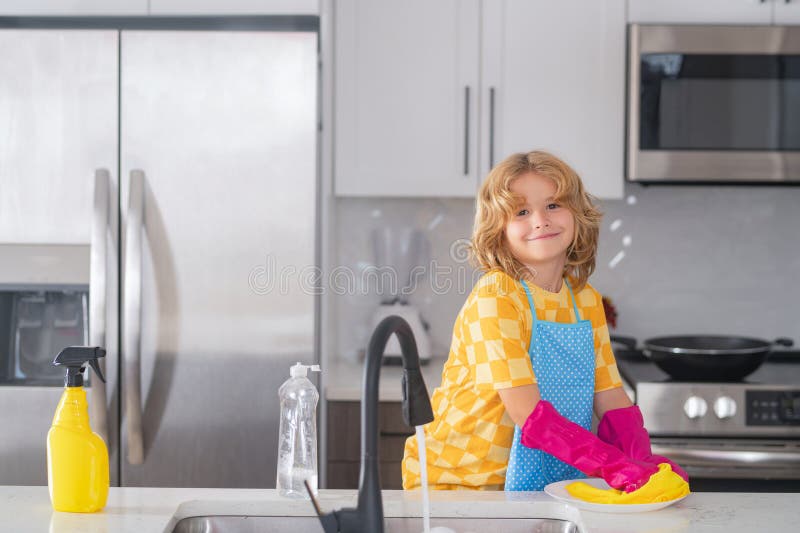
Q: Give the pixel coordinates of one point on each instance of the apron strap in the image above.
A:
(533, 307)
(530, 300)
(574, 303)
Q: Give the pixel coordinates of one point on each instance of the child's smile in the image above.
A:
(541, 230)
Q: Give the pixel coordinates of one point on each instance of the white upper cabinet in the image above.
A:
(23, 8)
(428, 94)
(406, 97)
(701, 11)
(556, 74)
(234, 7)
(786, 12)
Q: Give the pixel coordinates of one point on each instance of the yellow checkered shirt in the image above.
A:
(469, 440)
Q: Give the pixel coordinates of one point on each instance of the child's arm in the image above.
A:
(610, 399)
(520, 402)
(547, 430)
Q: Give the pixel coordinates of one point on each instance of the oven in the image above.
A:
(713, 104)
(729, 436)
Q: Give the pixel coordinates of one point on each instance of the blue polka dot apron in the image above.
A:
(563, 361)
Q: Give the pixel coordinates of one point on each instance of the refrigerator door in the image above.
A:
(218, 158)
(58, 166)
(58, 114)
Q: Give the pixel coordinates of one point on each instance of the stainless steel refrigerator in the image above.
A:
(184, 164)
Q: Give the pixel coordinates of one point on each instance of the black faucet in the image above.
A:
(368, 516)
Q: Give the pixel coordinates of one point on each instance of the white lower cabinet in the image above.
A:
(427, 95)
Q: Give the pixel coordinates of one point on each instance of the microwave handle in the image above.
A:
(132, 318)
(98, 282)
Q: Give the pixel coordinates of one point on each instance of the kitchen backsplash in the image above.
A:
(674, 260)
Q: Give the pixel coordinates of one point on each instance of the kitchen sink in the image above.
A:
(301, 524)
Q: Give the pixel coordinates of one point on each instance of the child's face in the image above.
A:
(540, 231)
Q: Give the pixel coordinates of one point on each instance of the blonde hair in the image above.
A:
(496, 204)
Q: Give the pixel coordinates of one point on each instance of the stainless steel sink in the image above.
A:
(300, 524)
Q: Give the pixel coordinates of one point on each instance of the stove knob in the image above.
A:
(695, 407)
(724, 407)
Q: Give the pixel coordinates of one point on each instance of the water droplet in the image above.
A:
(616, 259)
(615, 225)
(631, 200)
(376, 213)
(626, 240)
(436, 221)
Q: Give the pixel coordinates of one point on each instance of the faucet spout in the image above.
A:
(368, 516)
(416, 411)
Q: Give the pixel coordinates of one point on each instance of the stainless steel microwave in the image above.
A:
(714, 104)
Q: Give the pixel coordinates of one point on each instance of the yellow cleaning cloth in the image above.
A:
(663, 486)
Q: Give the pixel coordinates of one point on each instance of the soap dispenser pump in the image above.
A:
(77, 458)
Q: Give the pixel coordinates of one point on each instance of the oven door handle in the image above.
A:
(728, 457)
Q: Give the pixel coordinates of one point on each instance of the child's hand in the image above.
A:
(658, 459)
(624, 429)
(663, 486)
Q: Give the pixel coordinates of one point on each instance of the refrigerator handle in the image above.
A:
(132, 318)
(97, 295)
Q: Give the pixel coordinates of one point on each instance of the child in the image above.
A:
(531, 355)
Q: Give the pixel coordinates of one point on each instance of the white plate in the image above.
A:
(559, 492)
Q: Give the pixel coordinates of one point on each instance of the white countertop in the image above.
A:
(343, 380)
(141, 510)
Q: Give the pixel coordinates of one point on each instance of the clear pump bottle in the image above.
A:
(297, 446)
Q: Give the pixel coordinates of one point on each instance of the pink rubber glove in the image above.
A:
(550, 432)
(624, 429)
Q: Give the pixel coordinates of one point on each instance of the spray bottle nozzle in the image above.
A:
(74, 358)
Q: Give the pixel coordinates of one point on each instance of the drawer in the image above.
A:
(344, 431)
(390, 419)
(345, 474)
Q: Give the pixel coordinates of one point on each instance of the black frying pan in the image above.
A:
(709, 357)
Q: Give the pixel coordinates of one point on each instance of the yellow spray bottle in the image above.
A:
(77, 458)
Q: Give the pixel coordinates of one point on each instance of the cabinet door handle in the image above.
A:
(98, 282)
(491, 127)
(466, 130)
(132, 331)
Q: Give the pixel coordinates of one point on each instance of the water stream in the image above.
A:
(426, 502)
(423, 470)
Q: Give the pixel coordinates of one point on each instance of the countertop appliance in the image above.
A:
(714, 104)
(182, 156)
(732, 436)
(400, 258)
